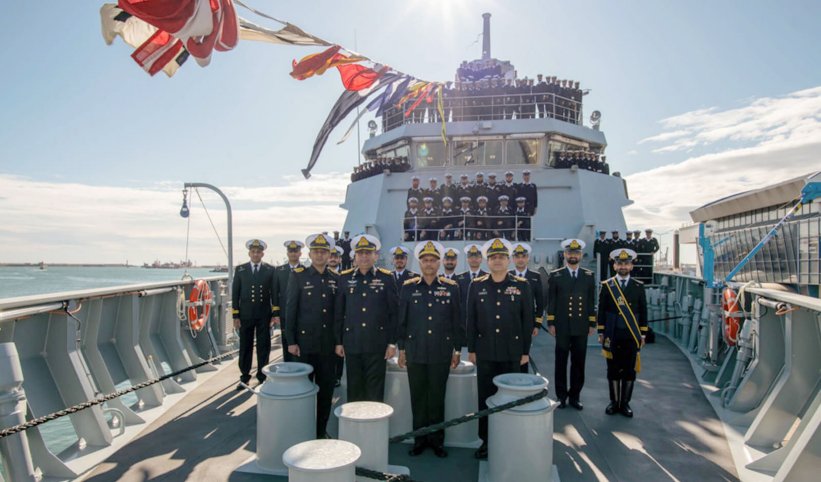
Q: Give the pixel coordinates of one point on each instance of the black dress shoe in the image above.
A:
(576, 404)
(562, 403)
(612, 409)
(481, 452)
(626, 410)
(416, 450)
(240, 387)
(440, 451)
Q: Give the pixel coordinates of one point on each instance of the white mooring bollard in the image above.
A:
(460, 399)
(520, 433)
(286, 415)
(397, 395)
(366, 425)
(14, 449)
(322, 461)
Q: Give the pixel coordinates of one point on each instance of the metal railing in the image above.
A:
(465, 227)
(515, 105)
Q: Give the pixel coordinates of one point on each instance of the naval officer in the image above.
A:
(499, 325)
(254, 311)
(309, 322)
(473, 252)
(449, 263)
(365, 321)
(622, 325)
(429, 338)
(400, 263)
(521, 259)
(571, 318)
(282, 273)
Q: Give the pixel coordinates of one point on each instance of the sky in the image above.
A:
(699, 100)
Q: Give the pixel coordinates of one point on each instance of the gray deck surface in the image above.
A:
(675, 434)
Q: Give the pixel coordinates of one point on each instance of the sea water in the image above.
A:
(31, 280)
(15, 281)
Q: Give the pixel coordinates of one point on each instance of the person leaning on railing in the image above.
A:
(429, 220)
(447, 220)
(411, 220)
(522, 219)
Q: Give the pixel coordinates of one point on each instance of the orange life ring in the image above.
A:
(199, 305)
(732, 314)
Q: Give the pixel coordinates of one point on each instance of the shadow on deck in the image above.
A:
(675, 434)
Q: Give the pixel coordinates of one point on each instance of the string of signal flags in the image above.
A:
(165, 33)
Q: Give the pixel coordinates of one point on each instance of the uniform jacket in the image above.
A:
(571, 304)
(535, 280)
(365, 311)
(309, 312)
(463, 280)
(499, 318)
(406, 275)
(431, 326)
(252, 295)
(608, 314)
(282, 274)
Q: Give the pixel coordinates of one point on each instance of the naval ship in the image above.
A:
(729, 390)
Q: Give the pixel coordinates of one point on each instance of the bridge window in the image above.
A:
(522, 151)
(478, 152)
(430, 153)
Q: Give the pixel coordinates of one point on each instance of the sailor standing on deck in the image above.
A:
(473, 252)
(282, 274)
(449, 264)
(365, 321)
(254, 310)
(400, 262)
(622, 324)
(310, 322)
(499, 325)
(429, 338)
(521, 259)
(571, 318)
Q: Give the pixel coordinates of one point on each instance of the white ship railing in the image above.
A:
(765, 387)
(76, 346)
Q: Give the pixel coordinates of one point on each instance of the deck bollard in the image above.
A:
(460, 399)
(397, 395)
(286, 415)
(322, 461)
(14, 448)
(523, 433)
(366, 425)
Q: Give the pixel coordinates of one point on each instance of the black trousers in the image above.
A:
(247, 330)
(324, 377)
(485, 371)
(623, 364)
(427, 388)
(285, 355)
(576, 348)
(366, 377)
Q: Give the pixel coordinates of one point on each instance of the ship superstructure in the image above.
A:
(485, 125)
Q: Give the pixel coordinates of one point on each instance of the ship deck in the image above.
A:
(675, 434)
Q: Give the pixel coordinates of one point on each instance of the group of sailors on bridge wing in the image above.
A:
(366, 315)
(494, 98)
(475, 210)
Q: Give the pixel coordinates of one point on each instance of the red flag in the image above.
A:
(317, 64)
(356, 77)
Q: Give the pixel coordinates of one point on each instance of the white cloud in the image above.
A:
(774, 139)
(71, 222)
(791, 119)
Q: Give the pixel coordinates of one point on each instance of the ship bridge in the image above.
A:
(489, 121)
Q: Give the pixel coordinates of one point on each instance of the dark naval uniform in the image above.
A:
(399, 279)
(253, 300)
(431, 328)
(571, 309)
(282, 275)
(535, 280)
(499, 328)
(601, 252)
(622, 321)
(365, 323)
(464, 280)
(310, 324)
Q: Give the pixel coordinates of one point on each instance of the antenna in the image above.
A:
(486, 37)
